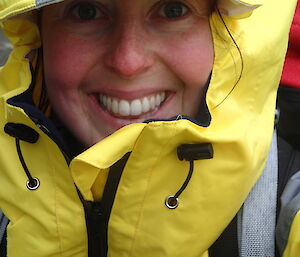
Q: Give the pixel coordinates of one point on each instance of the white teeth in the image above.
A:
(157, 99)
(152, 102)
(136, 107)
(124, 108)
(145, 104)
(104, 100)
(114, 106)
(108, 104)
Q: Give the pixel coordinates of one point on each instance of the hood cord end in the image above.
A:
(27, 134)
(32, 182)
(189, 152)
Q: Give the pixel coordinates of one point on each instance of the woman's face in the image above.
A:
(109, 63)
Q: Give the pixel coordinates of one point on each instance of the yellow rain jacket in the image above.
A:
(51, 220)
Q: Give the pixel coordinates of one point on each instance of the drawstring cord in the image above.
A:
(32, 183)
(172, 201)
(187, 180)
(27, 134)
(189, 152)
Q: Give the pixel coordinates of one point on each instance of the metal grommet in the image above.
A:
(33, 184)
(171, 202)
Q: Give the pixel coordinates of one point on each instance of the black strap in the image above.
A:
(288, 131)
(3, 241)
(288, 127)
(288, 165)
(97, 213)
(3, 246)
(227, 243)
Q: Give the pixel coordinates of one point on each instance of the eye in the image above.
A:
(86, 11)
(173, 10)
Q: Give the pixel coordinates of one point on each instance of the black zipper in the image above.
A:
(97, 213)
(96, 228)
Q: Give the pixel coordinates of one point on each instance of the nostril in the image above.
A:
(129, 67)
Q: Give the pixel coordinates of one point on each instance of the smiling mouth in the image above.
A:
(131, 109)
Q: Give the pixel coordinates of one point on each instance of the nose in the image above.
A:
(128, 56)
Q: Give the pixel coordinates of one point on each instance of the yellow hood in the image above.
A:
(241, 100)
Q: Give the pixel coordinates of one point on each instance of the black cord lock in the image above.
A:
(191, 152)
(21, 132)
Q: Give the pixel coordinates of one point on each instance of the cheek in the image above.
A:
(191, 56)
(66, 60)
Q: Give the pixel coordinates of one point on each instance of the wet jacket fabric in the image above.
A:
(110, 200)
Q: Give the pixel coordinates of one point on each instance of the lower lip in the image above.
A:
(118, 122)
